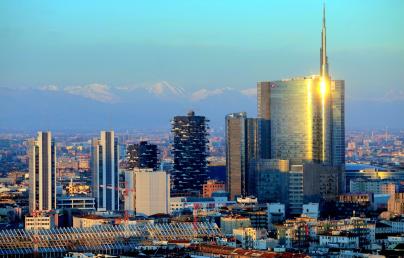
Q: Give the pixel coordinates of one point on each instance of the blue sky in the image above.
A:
(202, 44)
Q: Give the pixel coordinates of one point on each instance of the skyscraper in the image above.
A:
(306, 114)
(105, 174)
(190, 152)
(142, 155)
(42, 173)
(243, 143)
(307, 129)
(263, 93)
(236, 154)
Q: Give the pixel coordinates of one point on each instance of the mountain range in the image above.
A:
(98, 106)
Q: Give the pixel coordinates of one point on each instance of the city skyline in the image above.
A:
(201, 129)
(120, 68)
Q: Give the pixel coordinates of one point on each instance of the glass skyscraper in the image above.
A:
(306, 115)
(307, 128)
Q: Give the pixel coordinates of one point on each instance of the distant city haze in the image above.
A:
(90, 65)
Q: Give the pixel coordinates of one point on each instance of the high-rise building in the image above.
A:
(338, 123)
(105, 171)
(142, 155)
(236, 154)
(42, 173)
(307, 115)
(263, 97)
(264, 115)
(148, 191)
(243, 144)
(190, 151)
(307, 128)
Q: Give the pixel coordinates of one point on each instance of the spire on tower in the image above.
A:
(323, 49)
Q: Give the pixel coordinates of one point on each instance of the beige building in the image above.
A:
(147, 192)
(396, 203)
(39, 222)
(90, 221)
(229, 223)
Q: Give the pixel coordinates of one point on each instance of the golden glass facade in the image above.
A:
(307, 120)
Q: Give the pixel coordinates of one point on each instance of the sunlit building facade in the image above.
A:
(42, 173)
(307, 115)
(105, 171)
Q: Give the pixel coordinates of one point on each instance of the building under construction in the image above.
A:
(106, 239)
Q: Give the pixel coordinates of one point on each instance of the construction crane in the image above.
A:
(35, 236)
(125, 193)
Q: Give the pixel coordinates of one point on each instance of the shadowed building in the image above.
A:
(190, 151)
(142, 155)
(243, 143)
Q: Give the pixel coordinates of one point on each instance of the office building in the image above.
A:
(236, 158)
(190, 152)
(244, 142)
(320, 182)
(42, 173)
(147, 192)
(306, 116)
(142, 155)
(306, 120)
(367, 172)
(271, 179)
(105, 171)
(295, 190)
(264, 115)
(263, 98)
(376, 186)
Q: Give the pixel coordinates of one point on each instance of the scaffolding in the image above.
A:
(100, 238)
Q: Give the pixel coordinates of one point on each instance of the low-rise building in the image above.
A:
(340, 240)
(91, 220)
(180, 204)
(212, 186)
(396, 203)
(311, 210)
(247, 236)
(228, 223)
(86, 203)
(39, 222)
(275, 212)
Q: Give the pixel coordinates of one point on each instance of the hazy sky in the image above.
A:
(202, 44)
